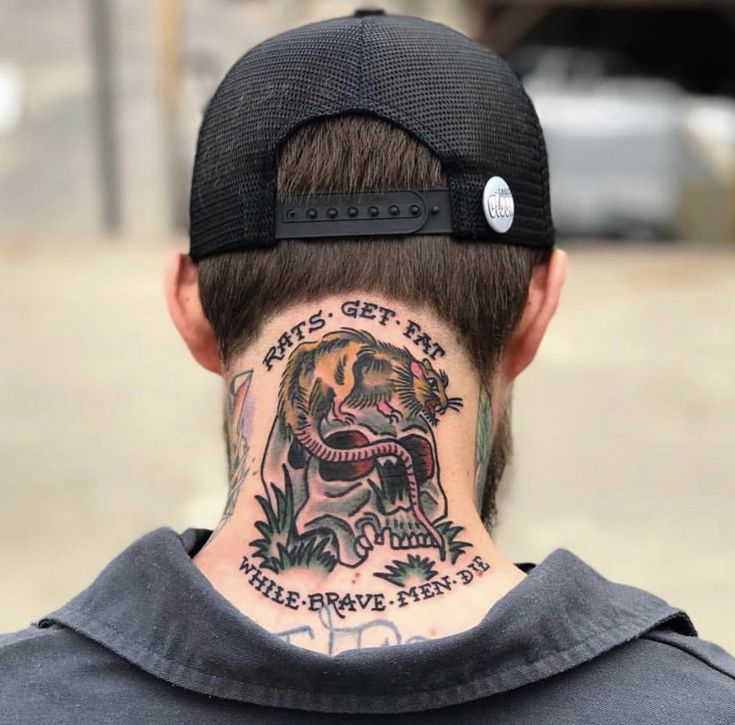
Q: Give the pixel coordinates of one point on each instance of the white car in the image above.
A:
(616, 144)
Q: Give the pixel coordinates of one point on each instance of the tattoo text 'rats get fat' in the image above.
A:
(352, 309)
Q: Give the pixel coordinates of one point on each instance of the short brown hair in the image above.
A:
(478, 290)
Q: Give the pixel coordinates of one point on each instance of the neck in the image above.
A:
(359, 436)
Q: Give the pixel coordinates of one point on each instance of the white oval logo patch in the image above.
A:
(497, 203)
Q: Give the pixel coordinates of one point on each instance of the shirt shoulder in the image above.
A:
(25, 651)
(658, 678)
(700, 652)
(695, 667)
(673, 677)
(48, 671)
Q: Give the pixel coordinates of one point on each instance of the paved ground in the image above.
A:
(624, 427)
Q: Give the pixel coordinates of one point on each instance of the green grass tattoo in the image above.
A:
(400, 573)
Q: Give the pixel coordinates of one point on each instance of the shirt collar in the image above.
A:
(154, 608)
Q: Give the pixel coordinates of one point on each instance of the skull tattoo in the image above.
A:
(351, 457)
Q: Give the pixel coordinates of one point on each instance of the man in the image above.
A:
(371, 267)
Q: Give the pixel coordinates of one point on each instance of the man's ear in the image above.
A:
(185, 308)
(543, 297)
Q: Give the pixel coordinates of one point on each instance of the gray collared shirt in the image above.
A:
(151, 641)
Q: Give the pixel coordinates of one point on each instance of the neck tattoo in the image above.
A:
(350, 468)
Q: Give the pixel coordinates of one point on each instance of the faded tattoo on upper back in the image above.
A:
(375, 633)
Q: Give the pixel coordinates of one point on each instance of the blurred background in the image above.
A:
(624, 427)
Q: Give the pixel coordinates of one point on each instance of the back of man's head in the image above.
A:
(371, 266)
(357, 106)
(479, 290)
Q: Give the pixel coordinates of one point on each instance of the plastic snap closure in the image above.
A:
(366, 12)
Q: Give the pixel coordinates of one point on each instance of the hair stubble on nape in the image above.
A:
(500, 455)
(478, 290)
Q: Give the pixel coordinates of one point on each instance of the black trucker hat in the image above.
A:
(451, 94)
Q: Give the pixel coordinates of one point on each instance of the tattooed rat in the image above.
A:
(350, 369)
